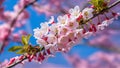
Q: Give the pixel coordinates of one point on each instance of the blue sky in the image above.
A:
(34, 21)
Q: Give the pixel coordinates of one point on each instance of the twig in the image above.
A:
(17, 62)
(109, 7)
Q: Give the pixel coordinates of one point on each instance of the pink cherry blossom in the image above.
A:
(4, 28)
(87, 13)
(75, 12)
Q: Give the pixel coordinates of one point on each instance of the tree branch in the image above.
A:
(20, 61)
(109, 7)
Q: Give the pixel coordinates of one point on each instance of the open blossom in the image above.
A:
(72, 24)
(62, 20)
(51, 39)
(63, 40)
(42, 42)
(105, 24)
(38, 33)
(88, 34)
(51, 21)
(75, 12)
(44, 27)
(53, 29)
(87, 13)
(78, 36)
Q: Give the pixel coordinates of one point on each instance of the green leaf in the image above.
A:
(22, 51)
(28, 37)
(25, 39)
(99, 4)
(15, 48)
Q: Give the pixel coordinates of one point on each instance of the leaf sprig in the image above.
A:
(99, 4)
(25, 48)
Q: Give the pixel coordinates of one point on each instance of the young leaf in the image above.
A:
(22, 51)
(15, 48)
(28, 37)
(25, 39)
(99, 4)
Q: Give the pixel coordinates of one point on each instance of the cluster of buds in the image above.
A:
(38, 54)
(13, 60)
(36, 57)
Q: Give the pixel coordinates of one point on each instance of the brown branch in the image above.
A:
(109, 7)
(20, 61)
(13, 23)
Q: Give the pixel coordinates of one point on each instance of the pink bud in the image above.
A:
(48, 51)
(44, 53)
(28, 56)
(68, 15)
(52, 22)
(12, 60)
(90, 29)
(41, 56)
(107, 18)
(80, 17)
(21, 57)
(84, 31)
(39, 59)
(44, 38)
(92, 6)
(59, 49)
(94, 28)
(114, 14)
(98, 23)
(31, 57)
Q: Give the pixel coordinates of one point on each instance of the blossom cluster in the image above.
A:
(69, 29)
(61, 36)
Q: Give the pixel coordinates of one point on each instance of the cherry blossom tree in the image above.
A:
(60, 34)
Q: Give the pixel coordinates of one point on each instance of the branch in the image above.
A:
(20, 61)
(13, 23)
(109, 7)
